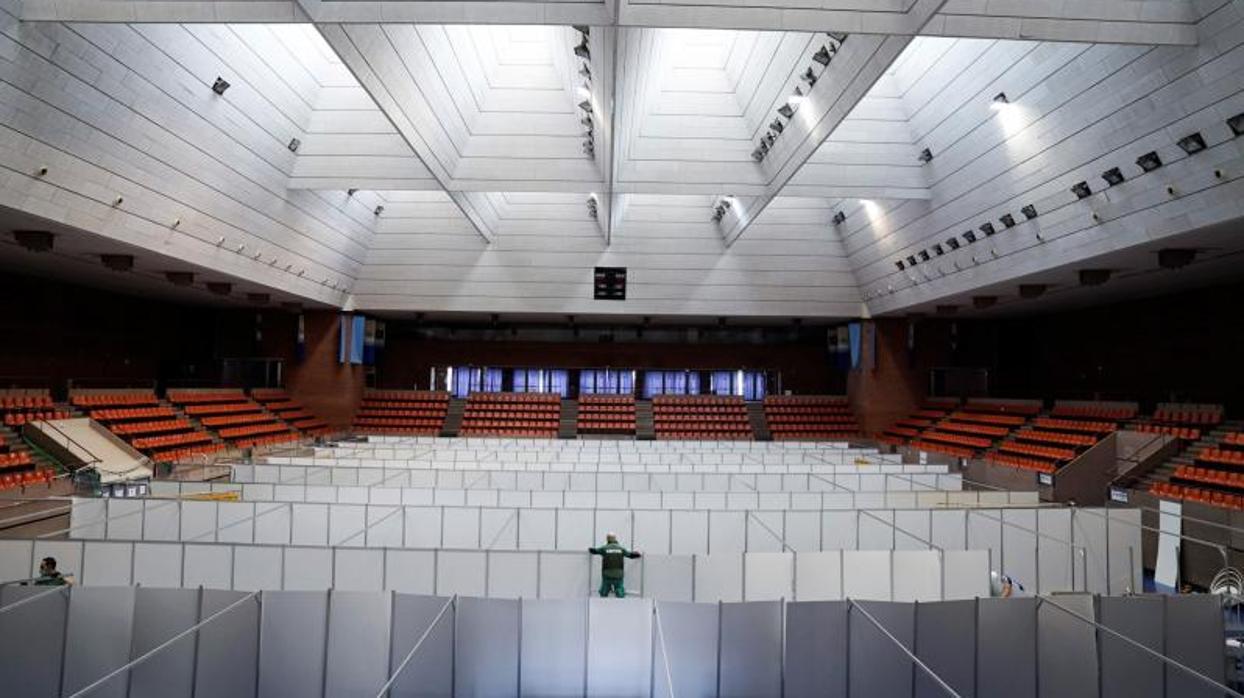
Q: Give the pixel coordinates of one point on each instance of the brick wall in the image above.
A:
(329, 389)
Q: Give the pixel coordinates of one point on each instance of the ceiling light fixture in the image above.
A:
(970, 236)
(822, 55)
(809, 77)
(220, 86)
(1113, 176)
(839, 218)
(926, 156)
(1029, 211)
(777, 126)
(293, 145)
(1236, 124)
(1149, 161)
(583, 29)
(952, 243)
(1081, 190)
(1192, 143)
(586, 106)
(1000, 100)
(582, 50)
(786, 110)
(988, 229)
(1008, 220)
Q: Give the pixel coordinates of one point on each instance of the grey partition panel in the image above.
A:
(691, 633)
(554, 651)
(946, 642)
(816, 649)
(32, 641)
(429, 674)
(1126, 671)
(1194, 632)
(1067, 648)
(1006, 648)
(751, 649)
(97, 639)
(358, 643)
(619, 660)
(293, 633)
(876, 666)
(486, 646)
(228, 647)
(160, 614)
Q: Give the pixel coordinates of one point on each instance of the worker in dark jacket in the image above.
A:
(612, 565)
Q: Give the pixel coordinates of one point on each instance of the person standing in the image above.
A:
(613, 565)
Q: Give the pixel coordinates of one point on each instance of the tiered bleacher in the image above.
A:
(606, 414)
(904, 430)
(402, 412)
(138, 417)
(1050, 442)
(511, 414)
(291, 411)
(977, 427)
(21, 406)
(235, 418)
(809, 417)
(1184, 421)
(700, 417)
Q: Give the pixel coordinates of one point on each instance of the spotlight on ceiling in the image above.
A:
(901, 266)
(1008, 220)
(777, 126)
(911, 260)
(926, 156)
(1149, 161)
(1029, 211)
(809, 77)
(34, 240)
(1113, 176)
(591, 206)
(582, 50)
(1094, 277)
(293, 145)
(586, 106)
(582, 29)
(938, 250)
(982, 302)
(118, 262)
(1192, 143)
(378, 210)
(589, 148)
(769, 138)
(952, 243)
(988, 229)
(584, 71)
(220, 288)
(1081, 190)
(764, 146)
(1175, 257)
(970, 237)
(839, 218)
(758, 155)
(1030, 291)
(786, 110)
(180, 278)
(1000, 100)
(586, 121)
(924, 255)
(822, 55)
(1236, 123)
(351, 192)
(220, 86)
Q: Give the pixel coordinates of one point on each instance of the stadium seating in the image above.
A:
(1095, 411)
(606, 414)
(1185, 433)
(1054, 437)
(1022, 462)
(402, 412)
(1188, 414)
(291, 411)
(814, 417)
(700, 417)
(1221, 456)
(1214, 498)
(1074, 425)
(511, 414)
(113, 399)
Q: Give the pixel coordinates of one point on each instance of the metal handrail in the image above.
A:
(94, 460)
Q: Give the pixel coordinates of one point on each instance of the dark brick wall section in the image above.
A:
(329, 389)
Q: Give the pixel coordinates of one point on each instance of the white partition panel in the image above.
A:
(32, 639)
(669, 577)
(1125, 558)
(460, 528)
(565, 575)
(866, 575)
(98, 638)
(161, 520)
(719, 577)
(199, 521)
(410, 571)
(486, 641)
(159, 615)
(691, 635)
(689, 532)
(1056, 557)
(965, 574)
(651, 532)
(107, 564)
(358, 570)
(1089, 533)
(838, 530)
(206, 565)
(917, 575)
(751, 650)
(537, 529)
(818, 576)
(574, 529)
(258, 567)
(554, 652)
(68, 555)
(1019, 546)
(293, 637)
(768, 576)
(347, 524)
(308, 569)
(228, 648)
(514, 575)
(125, 517)
(423, 527)
(620, 653)
(16, 560)
(727, 531)
(309, 524)
(243, 524)
(461, 572)
(273, 523)
(358, 643)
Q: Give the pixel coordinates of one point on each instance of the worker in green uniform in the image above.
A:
(612, 565)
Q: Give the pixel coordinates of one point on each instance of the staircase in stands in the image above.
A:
(645, 429)
(453, 418)
(1211, 438)
(568, 426)
(756, 416)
